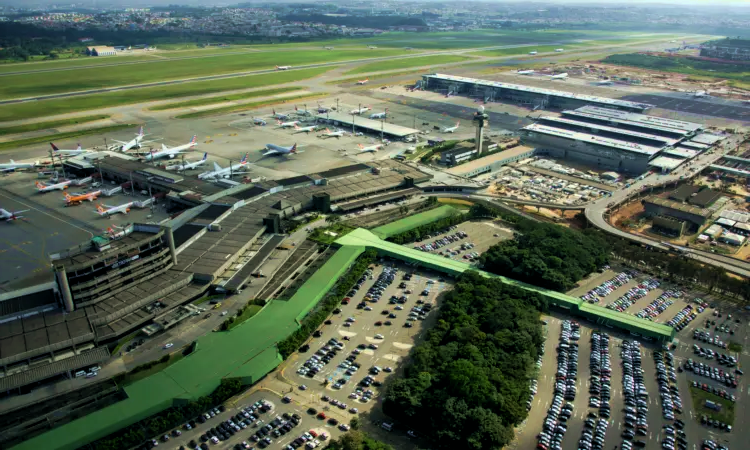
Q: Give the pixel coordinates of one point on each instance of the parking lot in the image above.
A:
(464, 242)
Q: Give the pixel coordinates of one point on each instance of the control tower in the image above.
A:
(480, 121)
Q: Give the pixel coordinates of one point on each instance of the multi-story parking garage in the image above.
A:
(537, 97)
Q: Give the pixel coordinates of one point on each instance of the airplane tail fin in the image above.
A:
(244, 159)
(194, 140)
(360, 146)
(79, 146)
(39, 185)
(293, 149)
(140, 131)
(458, 123)
(205, 156)
(66, 196)
(277, 67)
(54, 147)
(100, 208)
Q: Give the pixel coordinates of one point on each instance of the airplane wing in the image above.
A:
(271, 152)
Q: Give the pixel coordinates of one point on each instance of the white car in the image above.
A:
(170, 345)
(378, 336)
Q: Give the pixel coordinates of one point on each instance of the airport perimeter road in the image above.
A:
(595, 212)
(308, 66)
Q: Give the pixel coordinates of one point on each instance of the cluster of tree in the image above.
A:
(332, 300)
(467, 383)
(379, 22)
(441, 147)
(547, 255)
(170, 418)
(150, 364)
(356, 440)
(679, 268)
(227, 324)
(438, 226)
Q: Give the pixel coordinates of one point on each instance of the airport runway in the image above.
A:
(725, 109)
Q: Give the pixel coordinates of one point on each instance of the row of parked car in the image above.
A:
(659, 304)
(609, 286)
(634, 393)
(722, 358)
(555, 424)
(633, 295)
(714, 390)
(601, 369)
(323, 356)
(669, 392)
(567, 360)
(683, 318)
(442, 242)
(706, 337)
(713, 373)
(709, 444)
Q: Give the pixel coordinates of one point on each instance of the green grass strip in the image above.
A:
(408, 62)
(53, 124)
(376, 77)
(245, 107)
(29, 110)
(225, 98)
(700, 396)
(62, 136)
(249, 312)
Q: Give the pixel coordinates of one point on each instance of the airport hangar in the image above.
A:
(539, 97)
(618, 140)
(115, 284)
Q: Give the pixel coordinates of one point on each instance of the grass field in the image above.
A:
(408, 62)
(29, 110)
(26, 85)
(60, 136)
(246, 106)
(726, 414)
(225, 98)
(52, 124)
(737, 73)
(375, 77)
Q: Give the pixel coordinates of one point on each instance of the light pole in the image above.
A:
(337, 105)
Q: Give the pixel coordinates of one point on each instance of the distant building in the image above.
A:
(458, 154)
(727, 49)
(101, 51)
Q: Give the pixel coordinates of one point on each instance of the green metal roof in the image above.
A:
(414, 221)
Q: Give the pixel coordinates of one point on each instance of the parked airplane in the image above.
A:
(226, 172)
(532, 53)
(57, 152)
(559, 50)
(9, 216)
(287, 124)
(259, 121)
(107, 210)
(451, 129)
(52, 187)
(12, 165)
(77, 199)
(115, 232)
(700, 94)
(605, 83)
(525, 72)
(328, 48)
(274, 149)
(283, 67)
(381, 115)
(559, 76)
(371, 46)
(188, 166)
(304, 129)
(361, 110)
(337, 134)
(135, 143)
(281, 116)
(322, 109)
(167, 152)
(363, 81)
(371, 149)
(301, 112)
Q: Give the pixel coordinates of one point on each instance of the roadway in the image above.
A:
(307, 66)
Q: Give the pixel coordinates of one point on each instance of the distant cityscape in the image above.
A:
(359, 18)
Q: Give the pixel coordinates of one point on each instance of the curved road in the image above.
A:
(307, 66)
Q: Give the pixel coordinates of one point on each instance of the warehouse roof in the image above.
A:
(593, 139)
(682, 193)
(635, 134)
(542, 91)
(369, 124)
(641, 119)
(665, 162)
(681, 152)
(652, 126)
(679, 206)
(707, 138)
(478, 163)
(704, 198)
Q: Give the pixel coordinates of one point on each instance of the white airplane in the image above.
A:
(451, 129)
(363, 81)
(167, 152)
(371, 46)
(605, 83)
(10, 216)
(107, 210)
(287, 124)
(328, 48)
(370, 149)
(57, 152)
(361, 110)
(532, 53)
(559, 50)
(12, 165)
(559, 76)
(281, 116)
(188, 166)
(274, 149)
(304, 129)
(381, 115)
(301, 112)
(283, 67)
(135, 143)
(52, 187)
(525, 72)
(337, 134)
(700, 94)
(226, 172)
(259, 121)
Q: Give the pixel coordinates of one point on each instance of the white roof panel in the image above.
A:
(666, 140)
(665, 162)
(593, 139)
(642, 119)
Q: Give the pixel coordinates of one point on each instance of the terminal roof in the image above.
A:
(593, 139)
(677, 126)
(369, 124)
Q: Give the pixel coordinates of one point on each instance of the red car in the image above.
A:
(321, 416)
(345, 301)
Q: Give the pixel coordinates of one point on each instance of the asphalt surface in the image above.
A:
(726, 109)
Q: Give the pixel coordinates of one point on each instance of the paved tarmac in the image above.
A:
(727, 109)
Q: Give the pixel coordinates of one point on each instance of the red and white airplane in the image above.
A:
(107, 210)
(371, 149)
(57, 152)
(77, 199)
(452, 129)
(9, 216)
(363, 81)
(52, 187)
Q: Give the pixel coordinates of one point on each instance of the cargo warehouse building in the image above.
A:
(115, 284)
(537, 97)
(617, 140)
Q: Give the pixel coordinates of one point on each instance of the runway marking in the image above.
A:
(47, 214)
